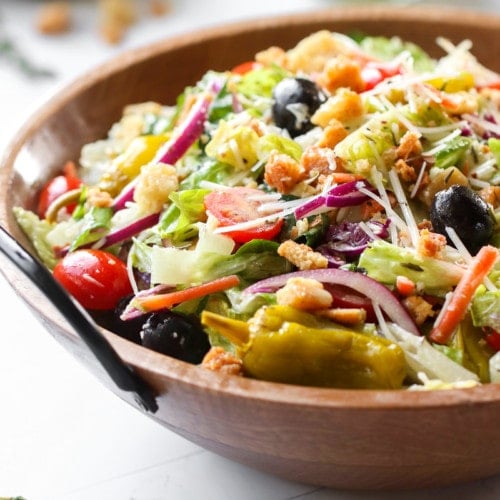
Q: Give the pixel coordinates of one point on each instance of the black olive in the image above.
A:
(176, 335)
(129, 329)
(462, 209)
(295, 101)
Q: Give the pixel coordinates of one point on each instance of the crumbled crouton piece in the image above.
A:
(159, 7)
(431, 244)
(219, 360)
(333, 133)
(491, 195)
(98, 198)
(155, 182)
(419, 308)
(343, 106)
(272, 55)
(318, 160)
(54, 18)
(116, 17)
(311, 54)
(282, 172)
(305, 294)
(409, 145)
(344, 315)
(302, 256)
(405, 171)
(341, 72)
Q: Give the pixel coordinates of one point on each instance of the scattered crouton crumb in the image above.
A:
(219, 360)
(159, 7)
(54, 18)
(302, 256)
(113, 19)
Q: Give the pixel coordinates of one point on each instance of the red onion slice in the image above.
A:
(378, 293)
(184, 137)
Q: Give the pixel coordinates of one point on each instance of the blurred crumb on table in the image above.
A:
(54, 18)
(113, 19)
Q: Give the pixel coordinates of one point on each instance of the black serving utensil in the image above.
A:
(120, 373)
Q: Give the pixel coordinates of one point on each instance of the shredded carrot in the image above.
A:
(166, 300)
(405, 286)
(478, 269)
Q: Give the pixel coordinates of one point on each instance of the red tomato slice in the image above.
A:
(245, 67)
(492, 337)
(96, 279)
(375, 72)
(58, 186)
(240, 205)
(344, 296)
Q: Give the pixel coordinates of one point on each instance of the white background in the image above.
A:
(62, 435)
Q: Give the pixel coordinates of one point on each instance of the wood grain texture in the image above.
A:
(335, 438)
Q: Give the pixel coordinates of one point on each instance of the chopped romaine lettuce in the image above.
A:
(370, 145)
(37, 231)
(95, 224)
(260, 82)
(179, 222)
(485, 307)
(421, 357)
(384, 262)
(454, 153)
(235, 145)
(274, 142)
(179, 266)
(388, 48)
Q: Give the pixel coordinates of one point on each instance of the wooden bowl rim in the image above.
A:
(161, 370)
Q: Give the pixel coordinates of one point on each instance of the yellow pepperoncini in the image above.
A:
(283, 344)
(126, 166)
(453, 83)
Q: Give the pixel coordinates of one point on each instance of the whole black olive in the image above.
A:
(176, 335)
(129, 329)
(462, 209)
(295, 101)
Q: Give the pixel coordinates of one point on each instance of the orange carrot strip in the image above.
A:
(478, 269)
(167, 300)
(405, 286)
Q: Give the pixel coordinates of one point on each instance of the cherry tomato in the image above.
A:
(95, 278)
(238, 205)
(58, 186)
(245, 67)
(344, 296)
(374, 73)
(492, 337)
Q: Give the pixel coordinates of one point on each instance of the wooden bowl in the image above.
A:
(336, 438)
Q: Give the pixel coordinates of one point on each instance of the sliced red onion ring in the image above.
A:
(378, 293)
(184, 137)
(127, 232)
(309, 206)
(346, 194)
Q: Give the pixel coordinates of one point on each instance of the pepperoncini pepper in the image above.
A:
(283, 344)
(126, 166)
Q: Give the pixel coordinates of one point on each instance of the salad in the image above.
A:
(324, 215)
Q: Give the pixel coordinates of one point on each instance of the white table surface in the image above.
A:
(63, 436)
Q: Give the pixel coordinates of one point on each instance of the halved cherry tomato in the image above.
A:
(240, 205)
(344, 296)
(375, 72)
(245, 67)
(96, 279)
(492, 337)
(58, 186)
